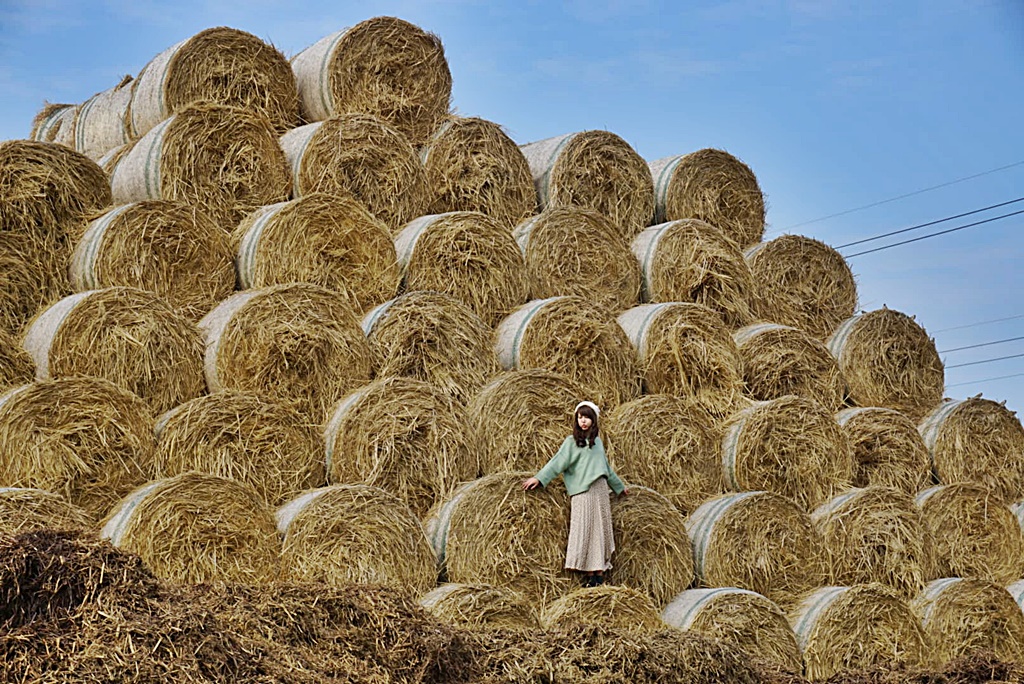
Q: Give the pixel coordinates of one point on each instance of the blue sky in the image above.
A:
(834, 105)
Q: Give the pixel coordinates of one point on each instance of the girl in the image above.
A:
(582, 463)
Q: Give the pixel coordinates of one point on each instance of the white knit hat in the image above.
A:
(592, 405)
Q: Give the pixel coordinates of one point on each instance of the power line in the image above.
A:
(978, 363)
(909, 194)
(931, 235)
(983, 344)
(930, 223)
(976, 324)
(974, 382)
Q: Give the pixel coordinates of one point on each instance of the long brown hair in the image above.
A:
(584, 438)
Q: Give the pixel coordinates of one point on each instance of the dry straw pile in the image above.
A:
(854, 628)
(492, 531)
(480, 607)
(686, 350)
(221, 66)
(692, 261)
(296, 342)
(888, 360)
(519, 419)
(875, 534)
(168, 248)
(966, 616)
(26, 509)
(244, 437)
(131, 337)
(196, 528)
(667, 444)
(605, 606)
(98, 125)
(740, 618)
(327, 240)
(653, 552)
(382, 66)
(51, 121)
(974, 533)
(402, 435)
(354, 534)
(15, 363)
(472, 165)
(713, 186)
(791, 446)
(596, 170)
(778, 360)
(758, 541)
(432, 337)
(887, 449)
(977, 440)
(83, 438)
(576, 337)
(361, 156)
(577, 251)
(221, 160)
(803, 283)
(467, 255)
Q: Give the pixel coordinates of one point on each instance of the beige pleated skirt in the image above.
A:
(591, 541)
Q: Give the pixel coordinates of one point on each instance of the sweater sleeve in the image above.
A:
(614, 481)
(558, 463)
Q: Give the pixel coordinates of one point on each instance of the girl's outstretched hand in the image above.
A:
(531, 483)
(625, 492)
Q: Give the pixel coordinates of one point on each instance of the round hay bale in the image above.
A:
(692, 261)
(888, 360)
(595, 170)
(791, 446)
(553, 242)
(15, 363)
(222, 66)
(82, 438)
(168, 248)
(604, 606)
(973, 532)
(382, 66)
(491, 531)
(653, 552)
(713, 186)
(26, 509)
(874, 534)
(778, 360)
(354, 533)
(197, 528)
(296, 342)
(128, 336)
(472, 165)
(758, 541)
(32, 276)
(887, 449)
(576, 337)
(433, 337)
(803, 283)
(47, 191)
(965, 616)
(480, 606)
(51, 119)
(361, 156)
(402, 435)
(857, 628)
(245, 437)
(520, 418)
(670, 445)
(1016, 589)
(976, 440)
(224, 161)
(467, 255)
(108, 162)
(99, 123)
(328, 240)
(686, 350)
(740, 618)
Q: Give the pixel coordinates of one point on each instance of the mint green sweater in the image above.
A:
(580, 467)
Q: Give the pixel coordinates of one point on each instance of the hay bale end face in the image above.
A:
(887, 449)
(25, 509)
(131, 337)
(480, 606)
(195, 528)
(606, 606)
(595, 170)
(264, 443)
(740, 618)
(33, 275)
(354, 533)
(713, 186)
(327, 240)
(15, 364)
